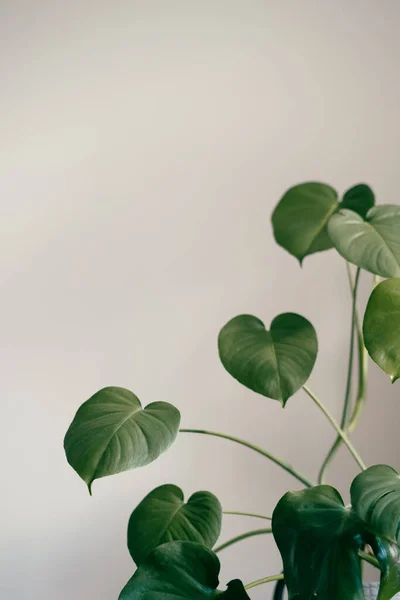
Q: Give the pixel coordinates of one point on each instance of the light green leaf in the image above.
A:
(299, 220)
(375, 496)
(372, 244)
(318, 538)
(359, 198)
(381, 327)
(273, 363)
(164, 517)
(180, 571)
(111, 433)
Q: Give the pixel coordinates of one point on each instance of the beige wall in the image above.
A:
(143, 147)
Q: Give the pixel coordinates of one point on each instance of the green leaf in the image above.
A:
(388, 557)
(318, 538)
(372, 244)
(375, 496)
(111, 433)
(381, 327)
(299, 220)
(164, 517)
(359, 198)
(180, 571)
(273, 363)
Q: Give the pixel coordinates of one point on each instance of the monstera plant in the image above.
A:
(322, 541)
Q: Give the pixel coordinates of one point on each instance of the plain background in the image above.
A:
(144, 145)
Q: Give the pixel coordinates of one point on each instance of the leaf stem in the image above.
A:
(239, 538)
(263, 580)
(344, 423)
(362, 382)
(369, 558)
(284, 465)
(246, 514)
(338, 429)
(354, 290)
(362, 372)
(377, 280)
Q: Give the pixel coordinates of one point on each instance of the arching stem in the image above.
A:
(246, 514)
(241, 537)
(263, 580)
(284, 465)
(338, 429)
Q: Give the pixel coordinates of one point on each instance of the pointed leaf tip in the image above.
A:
(111, 433)
(299, 220)
(274, 363)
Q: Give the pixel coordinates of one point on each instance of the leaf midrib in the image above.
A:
(383, 241)
(137, 409)
(324, 221)
(181, 505)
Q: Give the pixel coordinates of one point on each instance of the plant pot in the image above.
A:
(371, 591)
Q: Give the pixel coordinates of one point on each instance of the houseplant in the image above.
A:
(322, 542)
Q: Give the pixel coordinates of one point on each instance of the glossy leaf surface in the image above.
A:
(274, 363)
(111, 432)
(318, 538)
(381, 327)
(372, 244)
(180, 571)
(301, 217)
(375, 496)
(163, 516)
(299, 220)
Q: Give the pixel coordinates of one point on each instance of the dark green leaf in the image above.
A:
(359, 198)
(388, 557)
(164, 517)
(299, 220)
(375, 496)
(382, 327)
(318, 538)
(180, 571)
(372, 244)
(111, 433)
(273, 363)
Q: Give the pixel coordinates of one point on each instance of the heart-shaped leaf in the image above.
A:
(372, 244)
(319, 538)
(301, 217)
(111, 433)
(359, 198)
(273, 363)
(164, 517)
(381, 327)
(180, 571)
(375, 496)
(299, 220)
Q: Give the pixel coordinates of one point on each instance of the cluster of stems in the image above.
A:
(350, 415)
